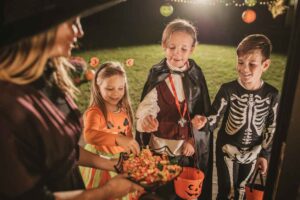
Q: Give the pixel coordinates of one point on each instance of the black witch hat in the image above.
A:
(24, 18)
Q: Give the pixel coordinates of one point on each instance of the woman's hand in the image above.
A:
(262, 164)
(149, 124)
(199, 121)
(188, 149)
(130, 144)
(116, 187)
(120, 186)
(89, 159)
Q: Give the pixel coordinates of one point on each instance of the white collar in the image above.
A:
(182, 69)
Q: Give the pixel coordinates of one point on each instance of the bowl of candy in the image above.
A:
(148, 169)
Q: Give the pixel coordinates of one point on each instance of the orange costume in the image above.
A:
(100, 136)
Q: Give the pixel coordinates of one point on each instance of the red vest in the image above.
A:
(168, 116)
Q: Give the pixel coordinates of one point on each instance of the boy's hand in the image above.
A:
(199, 121)
(149, 124)
(188, 149)
(130, 144)
(262, 164)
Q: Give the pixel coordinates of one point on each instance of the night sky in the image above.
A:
(137, 22)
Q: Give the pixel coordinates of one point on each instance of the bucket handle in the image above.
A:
(165, 149)
(251, 183)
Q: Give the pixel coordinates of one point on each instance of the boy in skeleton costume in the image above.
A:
(174, 97)
(249, 108)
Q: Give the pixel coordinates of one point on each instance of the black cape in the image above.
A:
(198, 100)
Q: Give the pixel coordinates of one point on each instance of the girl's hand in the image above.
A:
(149, 124)
(199, 121)
(262, 164)
(188, 149)
(130, 144)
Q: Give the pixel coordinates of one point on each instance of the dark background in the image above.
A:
(136, 22)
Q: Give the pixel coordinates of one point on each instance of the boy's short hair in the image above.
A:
(179, 25)
(255, 42)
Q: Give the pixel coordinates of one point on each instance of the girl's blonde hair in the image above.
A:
(24, 62)
(179, 25)
(107, 70)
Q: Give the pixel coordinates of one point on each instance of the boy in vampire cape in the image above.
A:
(198, 103)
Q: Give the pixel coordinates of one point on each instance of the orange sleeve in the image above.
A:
(94, 129)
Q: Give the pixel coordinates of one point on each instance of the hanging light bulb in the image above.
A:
(249, 16)
(250, 3)
(166, 10)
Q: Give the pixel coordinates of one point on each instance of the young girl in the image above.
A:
(174, 97)
(108, 121)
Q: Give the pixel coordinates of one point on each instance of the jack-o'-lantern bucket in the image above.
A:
(255, 191)
(188, 184)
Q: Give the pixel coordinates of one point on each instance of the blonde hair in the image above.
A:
(62, 68)
(24, 62)
(179, 25)
(107, 70)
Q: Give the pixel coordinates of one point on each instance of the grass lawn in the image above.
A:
(217, 62)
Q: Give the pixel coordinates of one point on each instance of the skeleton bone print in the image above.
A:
(248, 125)
(250, 110)
(249, 117)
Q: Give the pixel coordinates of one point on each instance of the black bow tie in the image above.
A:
(177, 72)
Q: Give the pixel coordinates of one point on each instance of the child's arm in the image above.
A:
(268, 134)
(93, 131)
(149, 124)
(188, 147)
(96, 135)
(262, 164)
(199, 121)
(218, 108)
(147, 112)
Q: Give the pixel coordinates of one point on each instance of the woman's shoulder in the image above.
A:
(14, 93)
(16, 102)
(11, 88)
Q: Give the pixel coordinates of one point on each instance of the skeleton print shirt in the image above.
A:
(249, 117)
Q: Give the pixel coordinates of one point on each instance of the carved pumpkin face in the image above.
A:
(193, 190)
(189, 183)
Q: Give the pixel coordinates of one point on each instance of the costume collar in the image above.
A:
(176, 69)
(241, 84)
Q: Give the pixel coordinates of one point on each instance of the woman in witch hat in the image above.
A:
(39, 123)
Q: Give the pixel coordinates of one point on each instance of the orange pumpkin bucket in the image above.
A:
(188, 184)
(255, 191)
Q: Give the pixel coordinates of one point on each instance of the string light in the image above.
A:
(276, 7)
(236, 3)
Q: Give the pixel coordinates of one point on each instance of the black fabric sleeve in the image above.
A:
(269, 130)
